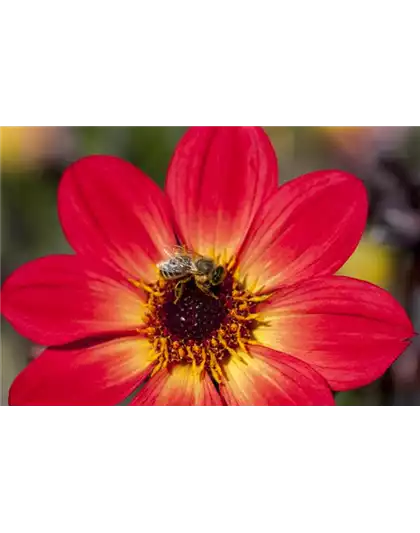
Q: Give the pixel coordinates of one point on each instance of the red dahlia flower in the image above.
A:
(278, 329)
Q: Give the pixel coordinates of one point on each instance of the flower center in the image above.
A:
(200, 329)
(196, 316)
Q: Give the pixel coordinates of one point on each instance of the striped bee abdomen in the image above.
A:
(176, 267)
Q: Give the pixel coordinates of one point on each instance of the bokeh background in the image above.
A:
(386, 159)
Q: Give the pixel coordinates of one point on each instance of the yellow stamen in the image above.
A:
(231, 264)
(190, 354)
(153, 356)
(246, 318)
(261, 298)
(147, 288)
(253, 299)
(215, 369)
(240, 341)
(252, 286)
(136, 283)
(203, 362)
(156, 368)
(225, 345)
(156, 350)
(194, 367)
(165, 354)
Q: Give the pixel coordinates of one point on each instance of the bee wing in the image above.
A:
(181, 249)
(186, 260)
(178, 249)
(190, 266)
(184, 255)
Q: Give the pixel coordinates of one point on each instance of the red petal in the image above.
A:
(112, 211)
(55, 300)
(348, 330)
(273, 378)
(179, 386)
(310, 227)
(217, 180)
(103, 374)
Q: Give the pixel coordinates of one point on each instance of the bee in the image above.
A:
(183, 265)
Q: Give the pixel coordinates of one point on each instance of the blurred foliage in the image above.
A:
(412, 148)
(302, 150)
(148, 148)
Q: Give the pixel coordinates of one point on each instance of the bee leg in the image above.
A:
(206, 290)
(179, 288)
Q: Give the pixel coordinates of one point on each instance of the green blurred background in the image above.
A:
(387, 159)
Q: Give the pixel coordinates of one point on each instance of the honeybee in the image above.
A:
(183, 265)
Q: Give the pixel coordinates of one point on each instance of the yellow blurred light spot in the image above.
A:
(21, 147)
(352, 140)
(372, 262)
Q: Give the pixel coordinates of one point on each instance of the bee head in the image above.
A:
(218, 275)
